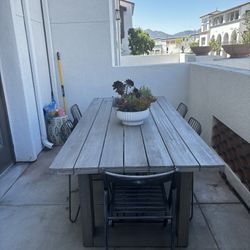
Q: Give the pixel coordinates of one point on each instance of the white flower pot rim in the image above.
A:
(132, 118)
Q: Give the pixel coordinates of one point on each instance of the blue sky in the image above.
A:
(173, 16)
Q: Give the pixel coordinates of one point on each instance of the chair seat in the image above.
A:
(139, 203)
(140, 198)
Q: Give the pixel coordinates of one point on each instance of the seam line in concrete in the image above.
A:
(1, 198)
(218, 203)
(31, 205)
(208, 226)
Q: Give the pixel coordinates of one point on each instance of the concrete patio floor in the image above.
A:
(34, 211)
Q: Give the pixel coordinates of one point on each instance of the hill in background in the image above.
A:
(162, 35)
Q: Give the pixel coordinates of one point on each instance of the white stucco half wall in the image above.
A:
(149, 59)
(224, 93)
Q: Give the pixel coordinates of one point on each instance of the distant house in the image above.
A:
(172, 47)
(180, 44)
(160, 47)
(223, 26)
(126, 14)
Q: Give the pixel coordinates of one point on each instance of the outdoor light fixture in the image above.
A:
(117, 15)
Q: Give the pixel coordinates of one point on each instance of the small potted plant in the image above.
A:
(133, 103)
(215, 46)
(200, 50)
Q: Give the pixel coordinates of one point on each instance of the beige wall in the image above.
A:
(223, 93)
(149, 59)
(88, 72)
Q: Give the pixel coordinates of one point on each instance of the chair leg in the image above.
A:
(106, 221)
(72, 220)
(192, 199)
(106, 235)
(172, 236)
(173, 221)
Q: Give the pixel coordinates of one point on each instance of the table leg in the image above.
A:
(87, 209)
(184, 182)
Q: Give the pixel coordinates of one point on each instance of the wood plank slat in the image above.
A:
(157, 153)
(112, 155)
(66, 158)
(179, 152)
(89, 157)
(135, 159)
(201, 151)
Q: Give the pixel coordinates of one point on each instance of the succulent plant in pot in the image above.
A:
(133, 103)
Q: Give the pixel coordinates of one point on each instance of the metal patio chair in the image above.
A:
(198, 129)
(66, 130)
(140, 199)
(195, 125)
(76, 113)
(182, 109)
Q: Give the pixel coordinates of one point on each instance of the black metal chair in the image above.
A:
(198, 129)
(195, 125)
(182, 109)
(66, 130)
(76, 113)
(140, 199)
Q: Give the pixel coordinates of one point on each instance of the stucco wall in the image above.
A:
(149, 59)
(239, 63)
(223, 93)
(17, 82)
(81, 32)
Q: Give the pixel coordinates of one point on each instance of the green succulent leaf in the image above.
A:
(131, 98)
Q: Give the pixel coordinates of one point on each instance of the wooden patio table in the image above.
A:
(165, 141)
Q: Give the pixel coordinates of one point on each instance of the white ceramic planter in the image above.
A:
(132, 118)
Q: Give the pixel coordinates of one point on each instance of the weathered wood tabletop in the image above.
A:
(164, 141)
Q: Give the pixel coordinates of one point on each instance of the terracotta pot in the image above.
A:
(201, 50)
(237, 50)
(132, 118)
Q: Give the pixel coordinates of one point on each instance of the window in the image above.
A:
(248, 14)
(237, 15)
(220, 19)
(122, 10)
(204, 27)
(203, 40)
(214, 21)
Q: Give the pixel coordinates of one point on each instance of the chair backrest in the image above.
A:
(195, 125)
(76, 113)
(182, 109)
(138, 179)
(66, 130)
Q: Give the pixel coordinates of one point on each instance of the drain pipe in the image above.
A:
(39, 106)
